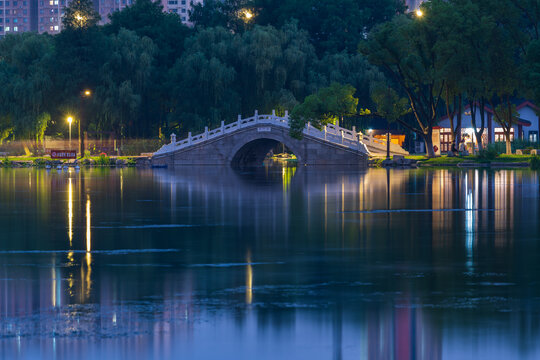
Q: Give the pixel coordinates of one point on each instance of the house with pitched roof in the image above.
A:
(525, 126)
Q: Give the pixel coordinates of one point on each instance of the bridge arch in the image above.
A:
(254, 147)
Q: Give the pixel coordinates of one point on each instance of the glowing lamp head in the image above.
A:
(87, 93)
(419, 13)
(69, 120)
(248, 14)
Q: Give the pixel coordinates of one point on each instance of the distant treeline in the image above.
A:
(149, 75)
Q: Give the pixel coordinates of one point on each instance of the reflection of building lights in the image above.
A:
(249, 279)
(53, 284)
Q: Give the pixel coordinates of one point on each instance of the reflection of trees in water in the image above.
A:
(324, 224)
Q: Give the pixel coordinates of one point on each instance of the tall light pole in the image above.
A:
(85, 94)
(69, 120)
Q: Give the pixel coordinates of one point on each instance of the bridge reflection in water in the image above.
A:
(378, 264)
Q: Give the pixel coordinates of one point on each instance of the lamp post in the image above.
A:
(69, 120)
(85, 94)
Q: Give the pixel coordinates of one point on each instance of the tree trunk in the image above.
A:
(508, 144)
(428, 141)
(388, 142)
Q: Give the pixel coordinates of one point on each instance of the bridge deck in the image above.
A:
(333, 134)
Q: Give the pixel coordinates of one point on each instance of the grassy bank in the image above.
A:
(532, 161)
(43, 161)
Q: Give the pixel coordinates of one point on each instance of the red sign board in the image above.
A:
(63, 154)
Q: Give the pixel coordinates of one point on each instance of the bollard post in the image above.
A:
(222, 126)
(173, 138)
(189, 138)
(206, 132)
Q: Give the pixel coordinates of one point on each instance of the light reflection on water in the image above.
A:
(289, 263)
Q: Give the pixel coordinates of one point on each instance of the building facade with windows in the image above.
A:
(180, 7)
(45, 16)
(525, 126)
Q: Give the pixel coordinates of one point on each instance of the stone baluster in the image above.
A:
(287, 116)
(308, 127)
(239, 121)
(189, 138)
(222, 127)
(173, 138)
(206, 132)
(256, 115)
(273, 115)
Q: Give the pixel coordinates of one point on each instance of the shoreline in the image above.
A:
(93, 161)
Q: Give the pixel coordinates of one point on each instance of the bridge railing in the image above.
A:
(332, 133)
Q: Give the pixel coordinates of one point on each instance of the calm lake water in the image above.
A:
(277, 263)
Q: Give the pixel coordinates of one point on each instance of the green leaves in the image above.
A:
(80, 15)
(327, 106)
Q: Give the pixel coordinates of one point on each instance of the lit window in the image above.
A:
(7, 28)
(56, 28)
(15, 28)
(51, 28)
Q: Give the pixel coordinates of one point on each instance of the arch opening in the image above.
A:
(254, 153)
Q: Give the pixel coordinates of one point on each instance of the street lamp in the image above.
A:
(69, 120)
(85, 94)
(419, 13)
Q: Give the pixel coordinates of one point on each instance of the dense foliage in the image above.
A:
(148, 75)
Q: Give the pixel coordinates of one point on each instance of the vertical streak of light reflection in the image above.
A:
(249, 279)
(469, 220)
(88, 246)
(70, 213)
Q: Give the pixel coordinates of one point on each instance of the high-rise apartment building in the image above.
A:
(180, 7)
(413, 4)
(45, 16)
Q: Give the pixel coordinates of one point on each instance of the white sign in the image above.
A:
(264, 129)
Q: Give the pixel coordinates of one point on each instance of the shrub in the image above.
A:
(131, 162)
(102, 160)
(6, 162)
(489, 153)
(535, 163)
(40, 162)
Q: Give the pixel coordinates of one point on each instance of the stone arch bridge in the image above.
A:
(248, 141)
